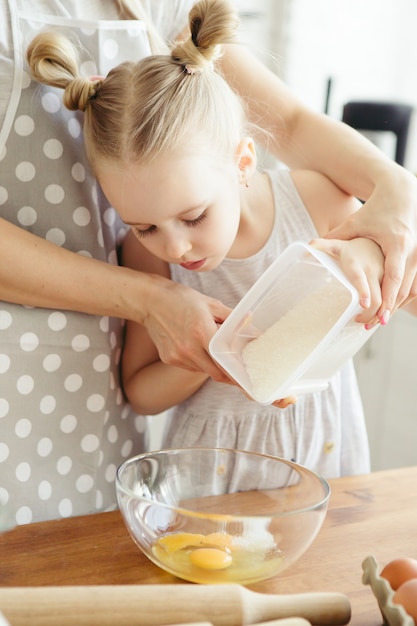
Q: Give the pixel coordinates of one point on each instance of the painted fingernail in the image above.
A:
(384, 319)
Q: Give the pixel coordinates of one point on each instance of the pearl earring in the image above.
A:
(243, 179)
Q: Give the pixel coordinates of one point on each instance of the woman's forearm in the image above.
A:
(300, 137)
(306, 140)
(180, 321)
(35, 272)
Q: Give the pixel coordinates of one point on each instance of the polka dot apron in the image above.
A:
(64, 424)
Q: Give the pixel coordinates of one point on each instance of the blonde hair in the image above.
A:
(157, 105)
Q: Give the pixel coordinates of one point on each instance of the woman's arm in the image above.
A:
(179, 320)
(304, 139)
(150, 385)
(360, 258)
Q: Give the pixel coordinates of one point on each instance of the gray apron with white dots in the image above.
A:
(64, 423)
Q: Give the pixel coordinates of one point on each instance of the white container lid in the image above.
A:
(293, 329)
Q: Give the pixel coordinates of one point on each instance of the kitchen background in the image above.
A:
(331, 52)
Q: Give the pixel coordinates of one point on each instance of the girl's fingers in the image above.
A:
(285, 402)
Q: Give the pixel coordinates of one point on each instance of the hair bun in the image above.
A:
(212, 23)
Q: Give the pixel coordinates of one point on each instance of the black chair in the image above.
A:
(381, 116)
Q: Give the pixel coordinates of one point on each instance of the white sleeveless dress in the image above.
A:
(64, 423)
(324, 431)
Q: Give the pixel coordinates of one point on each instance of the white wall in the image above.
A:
(367, 47)
(387, 372)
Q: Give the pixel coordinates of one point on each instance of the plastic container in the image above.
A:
(294, 328)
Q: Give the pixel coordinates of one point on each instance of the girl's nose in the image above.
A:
(177, 246)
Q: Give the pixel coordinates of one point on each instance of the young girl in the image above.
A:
(167, 139)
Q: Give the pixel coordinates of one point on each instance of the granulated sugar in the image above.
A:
(270, 358)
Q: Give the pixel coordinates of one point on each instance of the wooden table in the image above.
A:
(373, 514)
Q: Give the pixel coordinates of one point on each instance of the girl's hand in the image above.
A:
(389, 217)
(362, 261)
(285, 402)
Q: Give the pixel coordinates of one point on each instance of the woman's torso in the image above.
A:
(64, 423)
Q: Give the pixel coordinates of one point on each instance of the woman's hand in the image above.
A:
(363, 263)
(181, 322)
(389, 217)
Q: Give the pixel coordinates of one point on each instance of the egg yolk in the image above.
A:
(179, 541)
(210, 558)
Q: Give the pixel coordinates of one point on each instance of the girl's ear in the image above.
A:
(246, 159)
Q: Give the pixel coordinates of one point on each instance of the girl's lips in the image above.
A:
(193, 265)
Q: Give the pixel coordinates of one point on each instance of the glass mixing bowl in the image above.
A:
(214, 515)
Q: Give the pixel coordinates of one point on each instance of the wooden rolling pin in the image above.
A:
(159, 605)
(285, 621)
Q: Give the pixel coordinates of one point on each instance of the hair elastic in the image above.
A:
(192, 69)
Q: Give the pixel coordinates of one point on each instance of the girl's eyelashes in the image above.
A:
(197, 220)
(140, 234)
